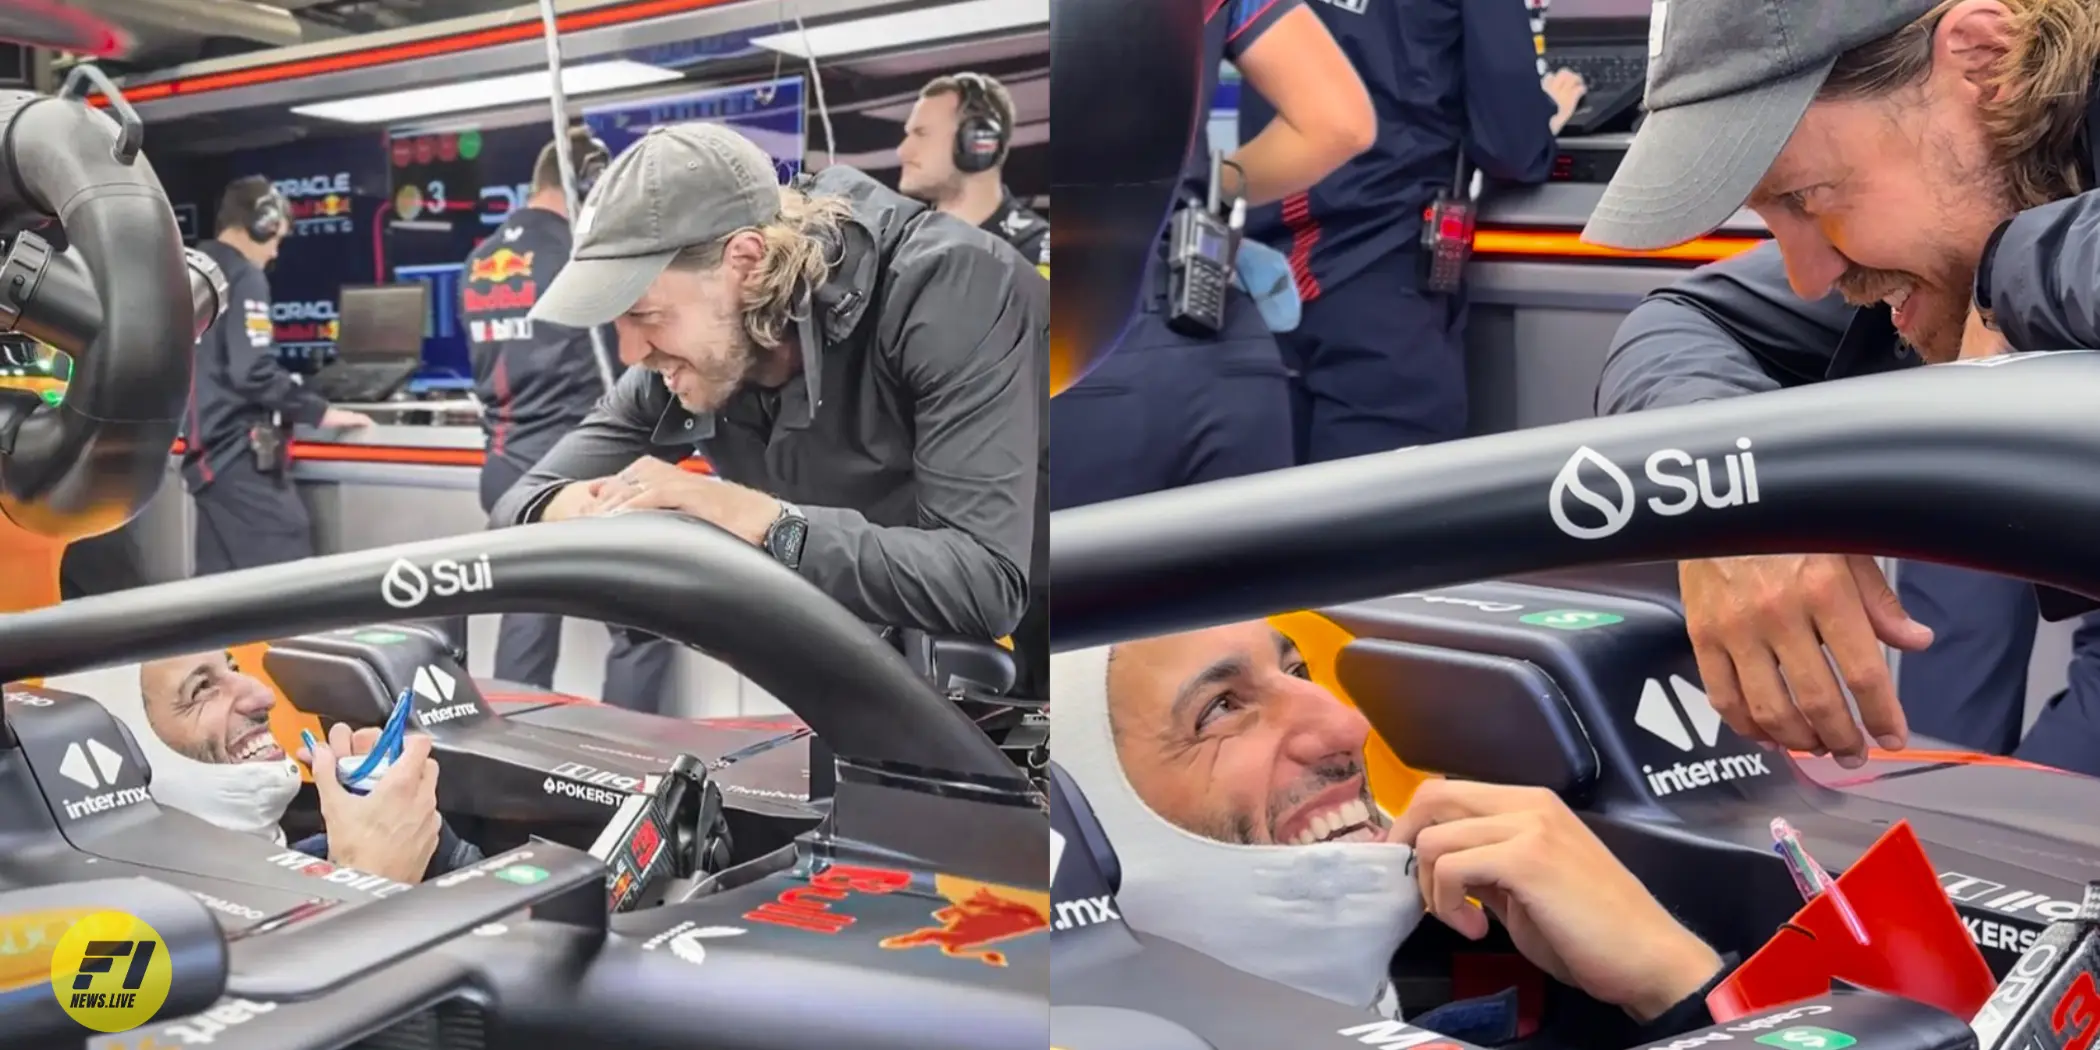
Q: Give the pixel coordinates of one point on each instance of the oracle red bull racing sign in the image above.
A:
(320, 203)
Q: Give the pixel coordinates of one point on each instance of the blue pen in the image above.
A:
(1811, 879)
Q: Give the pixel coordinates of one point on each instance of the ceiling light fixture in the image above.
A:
(909, 28)
(397, 106)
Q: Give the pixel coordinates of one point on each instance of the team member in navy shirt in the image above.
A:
(1380, 360)
(1167, 410)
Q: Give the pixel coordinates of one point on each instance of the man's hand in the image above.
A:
(1977, 340)
(344, 419)
(1568, 904)
(1759, 627)
(391, 832)
(652, 484)
(1566, 88)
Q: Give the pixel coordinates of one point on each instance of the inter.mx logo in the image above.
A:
(1673, 714)
(1588, 513)
(94, 766)
(436, 686)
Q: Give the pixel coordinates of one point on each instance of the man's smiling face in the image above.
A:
(205, 708)
(1222, 734)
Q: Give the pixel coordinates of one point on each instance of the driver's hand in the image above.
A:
(1760, 627)
(391, 832)
(1570, 907)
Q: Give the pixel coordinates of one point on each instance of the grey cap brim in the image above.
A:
(591, 292)
(1691, 167)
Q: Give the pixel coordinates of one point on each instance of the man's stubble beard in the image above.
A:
(1965, 191)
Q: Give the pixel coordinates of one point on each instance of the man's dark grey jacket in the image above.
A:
(1736, 327)
(909, 439)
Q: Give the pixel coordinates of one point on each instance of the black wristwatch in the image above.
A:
(784, 538)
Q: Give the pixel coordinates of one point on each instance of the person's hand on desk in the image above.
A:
(1566, 88)
(1570, 907)
(652, 484)
(344, 419)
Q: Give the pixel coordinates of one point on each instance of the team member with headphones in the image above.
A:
(236, 447)
(953, 157)
(954, 154)
(536, 381)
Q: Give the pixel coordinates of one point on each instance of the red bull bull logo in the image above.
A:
(500, 280)
(500, 266)
(978, 915)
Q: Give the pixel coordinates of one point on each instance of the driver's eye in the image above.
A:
(1299, 670)
(1221, 705)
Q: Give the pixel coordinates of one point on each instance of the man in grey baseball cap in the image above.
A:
(1920, 165)
(862, 373)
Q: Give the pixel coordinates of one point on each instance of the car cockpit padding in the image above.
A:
(1083, 862)
(1320, 641)
(1470, 715)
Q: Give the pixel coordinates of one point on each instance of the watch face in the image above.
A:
(784, 542)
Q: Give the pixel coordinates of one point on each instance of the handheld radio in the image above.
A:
(1447, 230)
(1201, 250)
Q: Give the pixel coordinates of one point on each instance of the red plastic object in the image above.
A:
(1917, 946)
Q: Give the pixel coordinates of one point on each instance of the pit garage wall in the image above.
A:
(358, 506)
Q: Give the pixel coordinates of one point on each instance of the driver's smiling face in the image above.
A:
(205, 708)
(1223, 734)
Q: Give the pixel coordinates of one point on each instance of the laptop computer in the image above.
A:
(378, 342)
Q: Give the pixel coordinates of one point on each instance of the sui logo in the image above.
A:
(1615, 510)
(1713, 482)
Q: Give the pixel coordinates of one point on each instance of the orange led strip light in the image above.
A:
(321, 451)
(1569, 244)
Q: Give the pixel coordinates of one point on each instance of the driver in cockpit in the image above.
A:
(204, 727)
(1233, 790)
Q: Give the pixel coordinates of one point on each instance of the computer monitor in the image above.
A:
(382, 321)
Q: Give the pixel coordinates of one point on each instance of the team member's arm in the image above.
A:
(2039, 276)
(1323, 113)
(967, 332)
(1509, 117)
(615, 434)
(252, 371)
(1728, 328)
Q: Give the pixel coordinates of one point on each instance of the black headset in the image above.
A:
(980, 134)
(270, 213)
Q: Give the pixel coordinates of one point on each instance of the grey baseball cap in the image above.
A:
(1728, 82)
(680, 186)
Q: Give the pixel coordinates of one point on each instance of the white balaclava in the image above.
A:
(238, 796)
(1324, 919)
